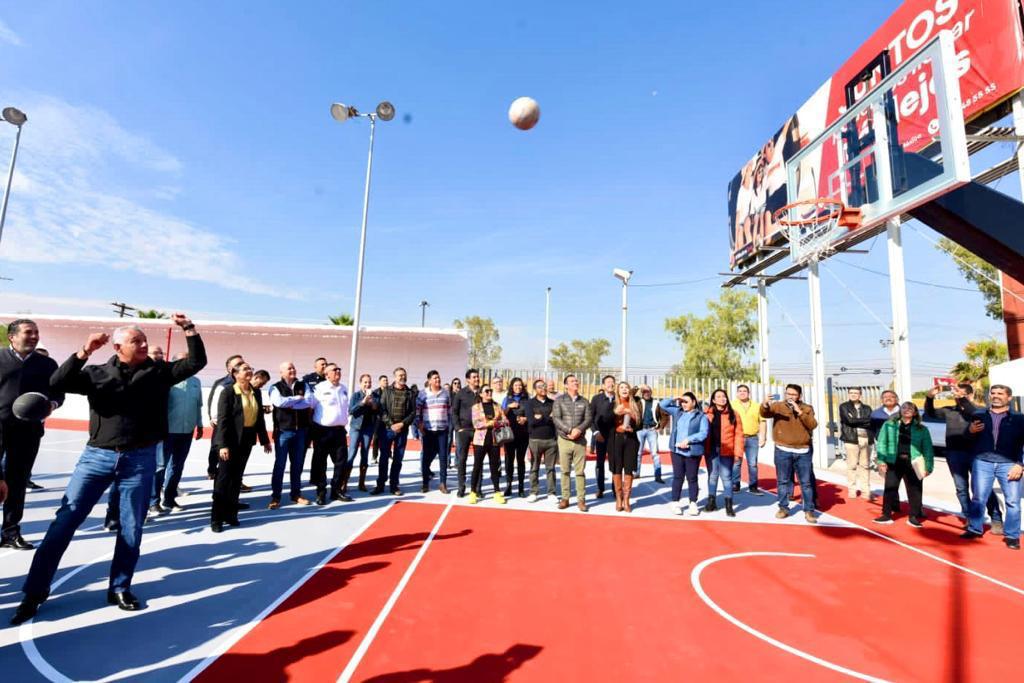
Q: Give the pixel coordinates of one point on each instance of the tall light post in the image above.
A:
(341, 113)
(623, 275)
(423, 312)
(547, 328)
(16, 118)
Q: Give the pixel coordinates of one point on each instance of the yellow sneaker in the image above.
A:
(472, 498)
(499, 498)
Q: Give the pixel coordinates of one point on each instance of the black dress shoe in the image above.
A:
(396, 492)
(242, 506)
(1012, 543)
(18, 543)
(216, 527)
(970, 535)
(125, 601)
(658, 479)
(233, 522)
(26, 610)
(377, 490)
(321, 499)
(34, 486)
(112, 526)
(343, 497)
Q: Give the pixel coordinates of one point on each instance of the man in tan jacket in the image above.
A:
(792, 424)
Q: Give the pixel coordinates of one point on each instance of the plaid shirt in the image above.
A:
(432, 411)
(398, 405)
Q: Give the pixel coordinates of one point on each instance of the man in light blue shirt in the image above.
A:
(184, 422)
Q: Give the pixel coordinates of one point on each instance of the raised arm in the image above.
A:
(69, 377)
(196, 359)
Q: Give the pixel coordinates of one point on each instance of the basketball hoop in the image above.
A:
(814, 226)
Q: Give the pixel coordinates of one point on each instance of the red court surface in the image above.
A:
(502, 594)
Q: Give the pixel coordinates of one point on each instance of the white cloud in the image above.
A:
(80, 180)
(8, 36)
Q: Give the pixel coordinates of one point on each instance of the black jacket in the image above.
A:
(520, 430)
(542, 427)
(852, 418)
(19, 377)
(128, 406)
(603, 411)
(225, 382)
(231, 420)
(462, 408)
(957, 418)
(1011, 436)
(385, 407)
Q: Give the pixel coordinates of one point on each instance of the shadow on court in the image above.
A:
(489, 668)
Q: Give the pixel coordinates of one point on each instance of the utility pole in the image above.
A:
(423, 313)
(121, 309)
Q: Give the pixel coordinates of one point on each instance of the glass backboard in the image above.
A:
(900, 145)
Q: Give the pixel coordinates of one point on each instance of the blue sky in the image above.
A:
(181, 156)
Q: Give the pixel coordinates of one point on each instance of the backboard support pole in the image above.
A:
(900, 322)
(821, 452)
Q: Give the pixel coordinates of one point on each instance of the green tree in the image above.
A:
(150, 313)
(484, 350)
(979, 355)
(343, 319)
(717, 346)
(579, 355)
(978, 271)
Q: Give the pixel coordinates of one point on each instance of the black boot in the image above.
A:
(728, 508)
(711, 505)
(362, 477)
(736, 487)
(658, 479)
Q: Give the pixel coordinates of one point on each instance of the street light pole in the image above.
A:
(341, 113)
(547, 327)
(423, 313)
(16, 118)
(624, 275)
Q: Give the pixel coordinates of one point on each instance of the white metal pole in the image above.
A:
(900, 324)
(362, 259)
(625, 307)
(10, 179)
(762, 330)
(547, 327)
(821, 454)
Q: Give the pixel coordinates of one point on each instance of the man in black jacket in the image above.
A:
(21, 371)
(211, 410)
(857, 437)
(959, 447)
(397, 413)
(127, 418)
(462, 415)
(602, 407)
(543, 439)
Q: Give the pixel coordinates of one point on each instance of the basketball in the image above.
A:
(31, 407)
(524, 113)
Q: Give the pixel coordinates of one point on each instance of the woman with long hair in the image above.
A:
(456, 387)
(240, 424)
(514, 407)
(487, 416)
(902, 441)
(624, 448)
(725, 444)
(686, 443)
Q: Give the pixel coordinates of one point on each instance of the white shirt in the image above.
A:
(330, 404)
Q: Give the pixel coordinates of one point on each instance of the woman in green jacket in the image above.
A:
(904, 450)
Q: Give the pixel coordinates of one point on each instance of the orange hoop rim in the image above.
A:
(781, 216)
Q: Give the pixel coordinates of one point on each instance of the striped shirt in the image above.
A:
(433, 411)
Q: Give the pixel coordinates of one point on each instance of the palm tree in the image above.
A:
(343, 319)
(151, 313)
(981, 355)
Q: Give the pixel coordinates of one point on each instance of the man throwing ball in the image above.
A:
(127, 418)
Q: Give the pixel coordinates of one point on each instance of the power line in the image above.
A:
(676, 284)
(916, 282)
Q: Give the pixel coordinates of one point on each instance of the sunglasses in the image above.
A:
(487, 391)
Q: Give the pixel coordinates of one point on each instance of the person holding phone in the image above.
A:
(792, 426)
(998, 436)
(686, 442)
(901, 442)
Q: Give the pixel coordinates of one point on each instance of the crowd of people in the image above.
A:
(145, 412)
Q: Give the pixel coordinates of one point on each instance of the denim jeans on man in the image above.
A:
(786, 463)
(750, 450)
(392, 450)
(985, 474)
(176, 448)
(435, 445)
(158, 475)
(960, 463)
(290, 448)
(97, 469)
(649, 437)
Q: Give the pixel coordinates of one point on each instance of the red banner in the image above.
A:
(990, 65)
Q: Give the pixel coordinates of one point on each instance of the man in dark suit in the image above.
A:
(211, 410)
(21, 370)
(602, 407)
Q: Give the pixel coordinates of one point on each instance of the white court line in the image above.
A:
(360, 652)
(26, 633)
(695, 582)
(236, 635)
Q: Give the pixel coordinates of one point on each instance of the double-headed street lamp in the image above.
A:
(16, 118)
(385, 112)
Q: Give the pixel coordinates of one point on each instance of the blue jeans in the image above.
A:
(392, 449)
(985, 474)
(719, 466)
(959, 463)
(98, 468)
(158, 474)
(786, 463)
(176, 449)
(290, 447)
(435, 445)
(650, 438)
(750, 450)
(359, 442)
